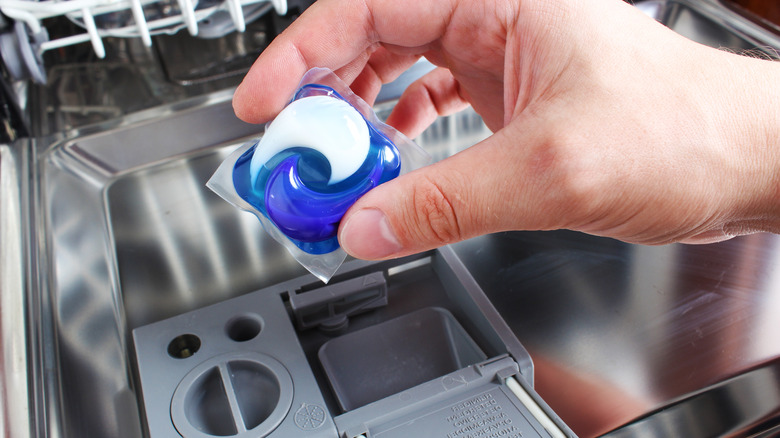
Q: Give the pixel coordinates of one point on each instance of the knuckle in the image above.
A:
(433, 215)
(575, 180)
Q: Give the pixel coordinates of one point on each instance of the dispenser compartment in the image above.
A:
(387, 358)
(385, 349)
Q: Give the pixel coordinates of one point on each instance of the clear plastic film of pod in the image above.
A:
(322, 152)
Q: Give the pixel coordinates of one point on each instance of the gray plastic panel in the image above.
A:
(234, 369)
(472, 402)
(329, 307)
(414, 367)
(387, 358)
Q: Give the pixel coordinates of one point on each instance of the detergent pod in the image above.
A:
(324, 150)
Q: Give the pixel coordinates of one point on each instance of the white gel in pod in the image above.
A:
(328, 125)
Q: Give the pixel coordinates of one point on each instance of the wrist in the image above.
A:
(752, 131)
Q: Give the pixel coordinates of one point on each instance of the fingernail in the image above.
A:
(367, 235)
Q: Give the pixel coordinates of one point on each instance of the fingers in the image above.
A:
(477, 191)
(335, 34)
(382, 67)
(323, 36)
(435, 94)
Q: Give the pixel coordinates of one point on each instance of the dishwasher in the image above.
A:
(134, 302)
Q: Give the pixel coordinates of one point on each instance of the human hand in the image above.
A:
(605, 121)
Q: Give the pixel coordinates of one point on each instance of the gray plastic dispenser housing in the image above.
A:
(404, 348)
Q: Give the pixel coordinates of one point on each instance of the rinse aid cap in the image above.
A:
(316, 158)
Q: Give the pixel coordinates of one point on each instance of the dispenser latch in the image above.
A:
(329, 307)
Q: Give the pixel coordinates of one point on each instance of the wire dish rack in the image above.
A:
(23, 46)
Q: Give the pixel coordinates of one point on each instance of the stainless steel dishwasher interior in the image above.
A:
(134, 236)
(127, 234)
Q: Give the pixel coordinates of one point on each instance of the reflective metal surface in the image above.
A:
(619, 331)
(121, 231)
(14, 387)
(712, 23)
(82, 89)
(107, 271)
(136, 237)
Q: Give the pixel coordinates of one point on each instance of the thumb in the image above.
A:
(474, 192)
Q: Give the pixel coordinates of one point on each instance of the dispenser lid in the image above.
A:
(484, 400)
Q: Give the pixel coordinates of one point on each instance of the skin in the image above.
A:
(604, 121)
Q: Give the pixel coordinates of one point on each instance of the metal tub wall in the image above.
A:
(650, 341)
(102, 264)
(134, 236)
(15, 388)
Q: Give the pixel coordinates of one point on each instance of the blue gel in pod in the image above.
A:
(316, 158)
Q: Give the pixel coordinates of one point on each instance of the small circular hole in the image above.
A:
(183, 346)
(243, 328)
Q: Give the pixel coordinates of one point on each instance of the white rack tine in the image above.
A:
(23, 15)
(280, 6)
(63, 42)
(32, 12)
(140, 22)
(237, 14)
(188, 15)
(97, 43)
